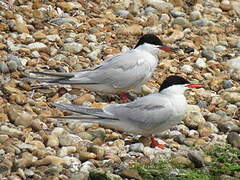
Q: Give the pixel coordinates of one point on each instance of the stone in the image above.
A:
(52, 141)
(137, 147)
(231, 97)
(73, 47)
(228, 127)
(207, 129)
(131, 174)
(196, 158)
(194, 118)
(181, 21)
(3, 67)
(84, 156)
(161, 6)
(200, 63)
(209, 54)
(182, 161)
(187, 68)
(39, 46)
(233, 138)
(85, 98)
(195, 15)
(227, 84)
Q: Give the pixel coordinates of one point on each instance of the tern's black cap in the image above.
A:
(150, 39)
(173, 80)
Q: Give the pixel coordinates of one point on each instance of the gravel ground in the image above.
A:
(66, 36)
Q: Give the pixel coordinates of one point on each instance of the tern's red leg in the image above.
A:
(123, 97)
(154, 143)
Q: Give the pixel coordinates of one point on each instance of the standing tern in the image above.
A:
(117, 74)
(148, 115)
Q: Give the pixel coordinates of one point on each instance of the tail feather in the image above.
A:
(58, 74)
(97, 112)
(108, 123)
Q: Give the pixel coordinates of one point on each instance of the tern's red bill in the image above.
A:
(166, 48)
(194, 85)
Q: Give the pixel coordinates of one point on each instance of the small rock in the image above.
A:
(183, 161)
(202, 22)
(228, 127)
(52, 141)
(196, 158)
(181, 21)
(98, 175)
(53, 38)
(209, 54)
(176, 13)
(64, 151)
(231, 97)
(187, 68)
(219, 48)
(12, 66)
(3, 67)
(3, 138)
(200, 63)
(60, 21)
(227, 84)
(180, 139)
(137, 147)
(50, 159)
(94, 54)
(195, 15)
(194, 117)
(37, 46)
(233, 138)
(131, 173)
(202, 104)
(73, 47)
(92, 38)
(207, 129)
(84, 156)
(85, 98)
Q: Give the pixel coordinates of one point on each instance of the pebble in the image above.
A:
(196, 158)
(3, 67)
(201, 63)
(194, 118)
(219, 48)
(38, 46)
(137, 147)
(209, 54)
(176, 13)
(233, 138)
(94, 54)
(228, 127)
(227, 84)
(187, 68)
(195, 15)
(161, 6)
(73, 47)
(52, 141)
(181, 21)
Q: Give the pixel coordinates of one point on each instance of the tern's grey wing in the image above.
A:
(148, 112)
(124, 70)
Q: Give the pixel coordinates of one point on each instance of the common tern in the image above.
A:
(147, 115)
(117, 74)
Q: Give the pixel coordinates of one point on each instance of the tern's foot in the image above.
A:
(154, 143)
(126, 97)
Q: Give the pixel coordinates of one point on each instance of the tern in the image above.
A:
(145, 116)
(122, 72)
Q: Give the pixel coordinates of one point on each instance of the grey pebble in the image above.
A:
(209, 54)
(227, 84)
(137, 147)
(3, 67)
(196, 158)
